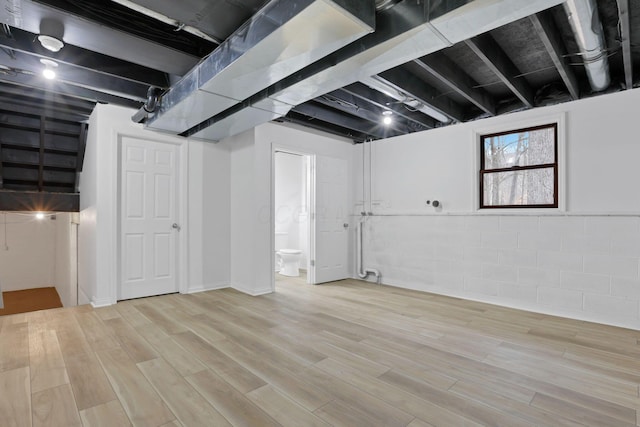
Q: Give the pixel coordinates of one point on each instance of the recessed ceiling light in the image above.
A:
(50, 43)
(40, 216)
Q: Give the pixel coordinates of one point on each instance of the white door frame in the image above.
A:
(182, 197)
(311, 197)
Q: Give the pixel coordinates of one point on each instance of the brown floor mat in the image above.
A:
(30, 300)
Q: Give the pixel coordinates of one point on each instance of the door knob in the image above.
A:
(345, 225)
(176, 226)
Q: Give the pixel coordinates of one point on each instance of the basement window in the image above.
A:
(519, 168)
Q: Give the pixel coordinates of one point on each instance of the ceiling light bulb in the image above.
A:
(50, 43)
(49, 66)
(49, 74)
(387, 119)
(40, 216)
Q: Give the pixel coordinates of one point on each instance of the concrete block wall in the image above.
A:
(584, 267)
(580, 260)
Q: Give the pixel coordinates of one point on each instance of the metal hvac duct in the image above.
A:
(282, 38)
(407, 31)
(587, 29)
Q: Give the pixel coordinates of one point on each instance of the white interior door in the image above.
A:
(331, 219)
(148, 214)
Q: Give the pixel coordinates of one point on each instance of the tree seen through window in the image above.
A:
(519, 168)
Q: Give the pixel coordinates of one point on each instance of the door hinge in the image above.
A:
(313, 263)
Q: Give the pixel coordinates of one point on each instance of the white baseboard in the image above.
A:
(252, 292)
(101, 302)
(520, 305)
(204, 288)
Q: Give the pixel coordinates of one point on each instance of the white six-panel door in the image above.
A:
(148, 214)
(331, 234)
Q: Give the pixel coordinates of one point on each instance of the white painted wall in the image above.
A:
(65, 256)
(242, 209)
(38, 253)
(209, 216)
(28, 258)
(581, 263)
(98, 233)
(290, 205)
(88, 228)
(252, 230)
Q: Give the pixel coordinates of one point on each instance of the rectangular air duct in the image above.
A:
(434, 33)
(407, 31)
(282, 38)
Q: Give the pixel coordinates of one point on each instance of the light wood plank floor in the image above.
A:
(346, 354)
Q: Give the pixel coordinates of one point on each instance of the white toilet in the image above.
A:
(287, 260)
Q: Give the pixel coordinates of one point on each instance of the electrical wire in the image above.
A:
(7, 31)
(341, 102)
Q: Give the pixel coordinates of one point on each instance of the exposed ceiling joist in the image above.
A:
(415, 88)
(7, 105)
(303, 120)
(46, 175)
(23, 41)
(79, 77)
(329, 115)
(442, 68)
(83, 32)
(20, 121)
(363, 92)
(18, 156)
(550, 36)
(67, 90)
(41, 156)
(31, 140)
(352, 105)
(35, 108)
(79, 105)
(497, 60)
(35, 201)
(625, 41)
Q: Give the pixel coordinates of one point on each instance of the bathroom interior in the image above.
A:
(292, 201)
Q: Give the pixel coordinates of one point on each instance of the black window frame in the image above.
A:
(554, 165)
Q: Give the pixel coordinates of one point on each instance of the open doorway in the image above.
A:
(38, 261)
(293, 206)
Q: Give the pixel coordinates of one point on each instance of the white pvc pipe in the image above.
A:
(363, 273)
(167, 20)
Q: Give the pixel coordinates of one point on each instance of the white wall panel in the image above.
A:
(28, 260)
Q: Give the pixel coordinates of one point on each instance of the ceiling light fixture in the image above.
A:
(386, 117)
(39, 216)
(50, 43)
(49, 68)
